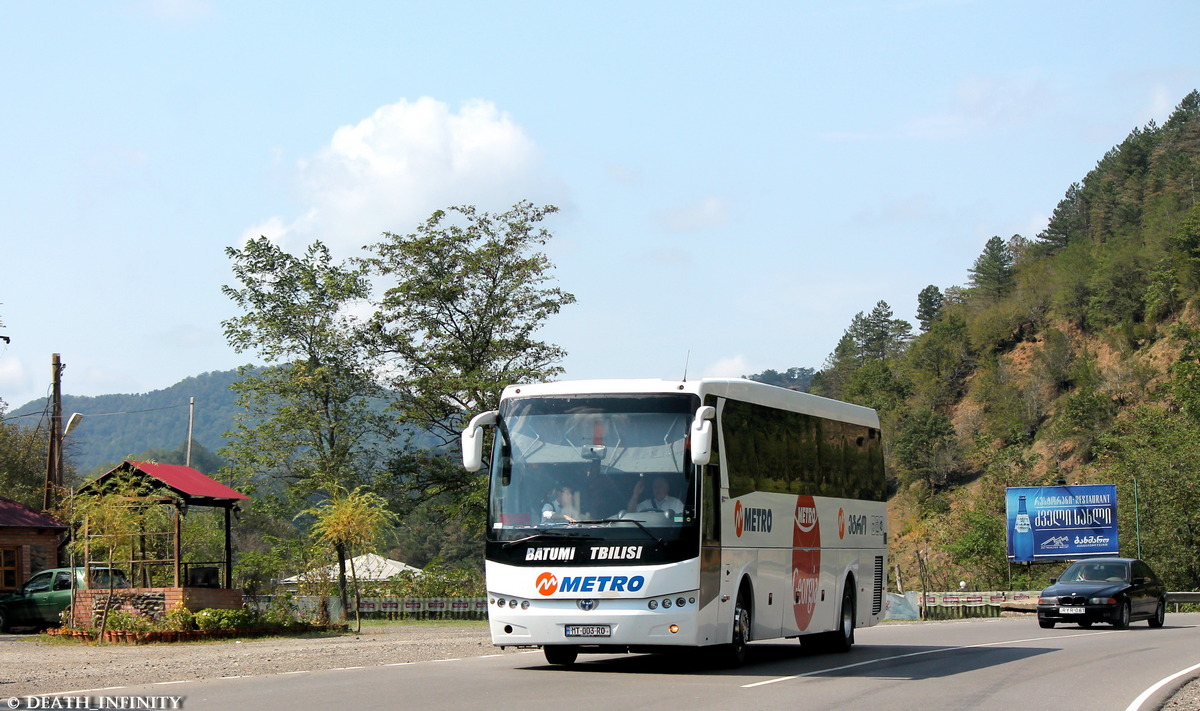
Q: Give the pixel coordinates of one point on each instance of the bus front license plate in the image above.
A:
(588, 631)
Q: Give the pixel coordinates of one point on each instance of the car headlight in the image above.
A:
(1102, 601)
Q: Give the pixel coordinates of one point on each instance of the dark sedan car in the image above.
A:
(1112, 590)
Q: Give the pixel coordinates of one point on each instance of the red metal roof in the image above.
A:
(17, 515)
(185, 480)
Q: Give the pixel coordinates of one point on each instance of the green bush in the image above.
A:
(129, 621)
(212, 619)
(180, 619)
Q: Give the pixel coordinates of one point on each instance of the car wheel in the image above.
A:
(842, 639)
(1160, 615)
(561, 654)
(1045, 624)
(4, 621)
(735, 651)
(1122, 620)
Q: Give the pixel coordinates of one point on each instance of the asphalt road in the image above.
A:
(986, 665)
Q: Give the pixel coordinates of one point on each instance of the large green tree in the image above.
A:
(469, 292)
(22, 461)
(313, 423)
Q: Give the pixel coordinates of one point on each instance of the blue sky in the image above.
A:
(736, 182)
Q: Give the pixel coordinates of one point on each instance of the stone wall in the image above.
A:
(153, 602)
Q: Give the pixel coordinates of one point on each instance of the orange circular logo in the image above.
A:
(841, 523)
(546, 584)
(739, 519)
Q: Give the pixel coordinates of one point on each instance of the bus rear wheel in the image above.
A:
(561, 654)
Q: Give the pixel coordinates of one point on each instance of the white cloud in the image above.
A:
(1159, 105)
(981, 105)
(728, 367)
(391, 170)
(622, 174)
(272, 228)
(709, 212)
(15, 378)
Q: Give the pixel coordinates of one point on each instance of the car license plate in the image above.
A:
(1071, 610)
(588, 631)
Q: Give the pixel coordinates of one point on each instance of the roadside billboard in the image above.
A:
(1061, 522)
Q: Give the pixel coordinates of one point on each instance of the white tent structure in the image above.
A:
(367, 567)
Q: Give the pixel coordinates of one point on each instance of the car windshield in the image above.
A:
(106, 577)
(612, 464)
(1095, 572)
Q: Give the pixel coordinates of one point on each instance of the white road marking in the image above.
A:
(1137, 703)
(818, 672)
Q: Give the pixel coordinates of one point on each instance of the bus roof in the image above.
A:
(734, 388)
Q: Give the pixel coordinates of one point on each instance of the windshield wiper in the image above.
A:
(658, 541)
(546, 534)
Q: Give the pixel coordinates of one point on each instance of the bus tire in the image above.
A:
(561, 654)
(735, 652)
(842, 639)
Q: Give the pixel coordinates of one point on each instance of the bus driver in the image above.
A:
(660, 501)
(561, 506)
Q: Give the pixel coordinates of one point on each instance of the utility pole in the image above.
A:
(191, 416)
(54, 478)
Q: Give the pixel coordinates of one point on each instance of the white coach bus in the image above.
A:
(642, 515)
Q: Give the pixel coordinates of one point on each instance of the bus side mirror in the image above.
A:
(702, 434)
(472, 440)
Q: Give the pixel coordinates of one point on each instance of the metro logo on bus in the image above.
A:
(750, 518)
(547, 583)
(806, 561)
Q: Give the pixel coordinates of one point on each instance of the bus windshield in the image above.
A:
(594, 465)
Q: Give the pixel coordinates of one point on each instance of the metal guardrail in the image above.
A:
(1178, 597)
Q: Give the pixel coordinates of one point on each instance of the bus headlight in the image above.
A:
(653, 604)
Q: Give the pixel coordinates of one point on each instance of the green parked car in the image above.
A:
(40, 601)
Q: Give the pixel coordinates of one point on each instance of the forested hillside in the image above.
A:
(118, 426)
(1074, 353)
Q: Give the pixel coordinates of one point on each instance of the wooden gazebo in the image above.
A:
(196, 585)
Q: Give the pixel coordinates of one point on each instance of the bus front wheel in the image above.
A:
(561, 654)
(735, 651)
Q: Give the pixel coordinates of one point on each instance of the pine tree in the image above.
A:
(993, 273)
(929, 306)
